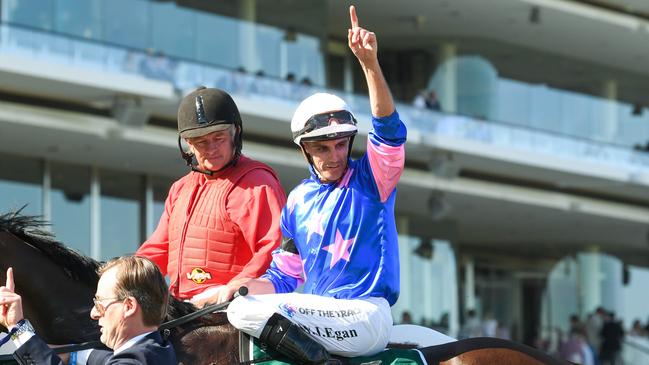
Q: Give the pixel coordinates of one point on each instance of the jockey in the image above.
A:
(340, 237)
(221, 220)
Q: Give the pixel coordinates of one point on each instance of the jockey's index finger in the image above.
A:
(353, 17)
(10, 279)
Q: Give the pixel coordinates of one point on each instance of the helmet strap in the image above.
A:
(189, 160)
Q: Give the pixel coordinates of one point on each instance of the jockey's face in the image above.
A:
(213, 150)
(329, 158)
(109, 310)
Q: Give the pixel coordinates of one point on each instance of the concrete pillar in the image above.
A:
(589, 281)
(95, 214)
(469, 283)
(608, 127)
(405, 258)
(248, 36)
(448, 90)
(450, 285)
(427, 285)
(47, 194)
(348, 74)
(149, 217)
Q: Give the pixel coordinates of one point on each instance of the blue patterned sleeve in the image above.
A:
(388, 130)
(285, 271)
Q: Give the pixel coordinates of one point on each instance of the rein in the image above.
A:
(167, 326)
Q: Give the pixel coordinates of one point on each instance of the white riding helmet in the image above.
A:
(322, 117)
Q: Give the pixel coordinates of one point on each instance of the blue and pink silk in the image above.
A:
(345, 232)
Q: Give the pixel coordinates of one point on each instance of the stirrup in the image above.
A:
(291, 340)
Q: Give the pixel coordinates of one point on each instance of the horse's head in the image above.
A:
(56, 283)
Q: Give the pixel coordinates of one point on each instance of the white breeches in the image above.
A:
(346, 327)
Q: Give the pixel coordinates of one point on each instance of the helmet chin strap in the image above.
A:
(189, 160)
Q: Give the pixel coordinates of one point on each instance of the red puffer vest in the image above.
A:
(206, 248)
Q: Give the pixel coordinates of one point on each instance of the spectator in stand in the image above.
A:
(406, 318)
(575, 348)
(431, 101)
(240, 81)
(260, 84)
(594, 325)
(420, 99)
(612, 334)
(575, 323)
(292, 88)
(471, 327)
(637, 329)
(489, 325)
(303, 89)
(306, 82)
(147, 64)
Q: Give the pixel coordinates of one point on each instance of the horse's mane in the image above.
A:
(178, 308)
(29, 229)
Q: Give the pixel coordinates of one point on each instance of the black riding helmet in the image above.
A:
(207, 110)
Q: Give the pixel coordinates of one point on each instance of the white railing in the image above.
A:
(635, 350)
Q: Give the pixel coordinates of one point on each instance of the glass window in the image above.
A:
(126, 22)
(160, 187)
(173, 30)
(121, 213)
(305, 60)
(217, 40)
(633, 129)
(268, 41)
(336, 71)
(33, 13)
(80, 18)
(21, 182)
(70, 198)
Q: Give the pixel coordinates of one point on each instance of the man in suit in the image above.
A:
(130, 303)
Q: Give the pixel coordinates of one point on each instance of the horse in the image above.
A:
(57, 285)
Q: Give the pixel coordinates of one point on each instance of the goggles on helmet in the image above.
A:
(324, 120)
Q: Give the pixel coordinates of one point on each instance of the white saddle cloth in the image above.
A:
(421, 336)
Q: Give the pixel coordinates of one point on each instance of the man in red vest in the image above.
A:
(221, 220)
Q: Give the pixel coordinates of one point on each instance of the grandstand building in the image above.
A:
(526, 189)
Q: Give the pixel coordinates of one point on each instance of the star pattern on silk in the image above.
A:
(339, 250)
(314, 225)
(296, 198)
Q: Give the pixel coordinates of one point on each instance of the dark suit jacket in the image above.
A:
(151, 349)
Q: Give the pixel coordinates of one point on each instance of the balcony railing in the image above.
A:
(187, 74)
(635, 350)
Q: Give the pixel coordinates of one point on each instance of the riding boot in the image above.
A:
(291, 340)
